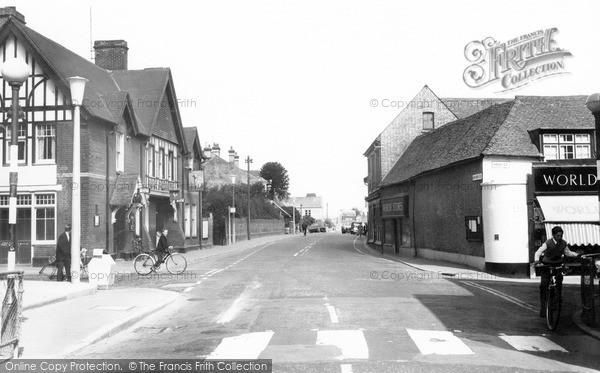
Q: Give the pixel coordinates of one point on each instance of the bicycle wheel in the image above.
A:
(552, 308)
(143, 264)
(176, 264)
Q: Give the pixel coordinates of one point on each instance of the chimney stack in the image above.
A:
(231, 155)
(111, 54)
(216, 150)
(11, 12)
(236, 160)
(207, 151)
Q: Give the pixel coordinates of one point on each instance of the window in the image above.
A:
(21, 142)
(566, 146)
(45, 143)
(473, 228)
(120, 147)
(428, 123)
(45, 219)
(193, 216)
(150, 157)
(187, 222)
(160, 171)
(170, 166)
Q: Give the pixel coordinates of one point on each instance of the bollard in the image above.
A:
(588, 272)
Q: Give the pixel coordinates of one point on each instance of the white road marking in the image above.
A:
(332, 314)
(354, 245)
(239, 304)
(502, 295)
(346, 368)
(438, 342)
(210, 272)
(245, 346)
(532, 343)
(351, 343)
(186, 290)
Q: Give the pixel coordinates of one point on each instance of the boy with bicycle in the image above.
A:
(552, 251)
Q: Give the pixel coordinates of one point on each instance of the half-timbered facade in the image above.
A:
(133, 148)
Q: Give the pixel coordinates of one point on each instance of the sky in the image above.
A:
(310, 84)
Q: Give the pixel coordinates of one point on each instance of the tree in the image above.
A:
(280, 182)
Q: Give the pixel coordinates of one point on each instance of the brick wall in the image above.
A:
(442, 201)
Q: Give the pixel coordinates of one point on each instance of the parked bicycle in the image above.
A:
(145, 263)
(50, 270)
(554, 297)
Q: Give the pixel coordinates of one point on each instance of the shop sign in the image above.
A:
(394, 207)
(565, 179)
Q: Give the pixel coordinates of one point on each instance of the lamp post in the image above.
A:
(232, 209)
(248, 161)
(593, 105)
(14, 72)
(77, 85)
(294, 216)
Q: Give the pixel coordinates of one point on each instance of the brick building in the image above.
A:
(424, 113)
(465, 192)
(132, 141)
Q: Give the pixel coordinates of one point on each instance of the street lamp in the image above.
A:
(15, 72)
(232, 209)
(77, 85)
(593, 105)
(248, 161)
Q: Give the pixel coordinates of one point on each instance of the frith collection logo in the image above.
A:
(516, 62)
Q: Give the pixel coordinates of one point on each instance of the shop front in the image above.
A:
(394, 216)
(566, 196)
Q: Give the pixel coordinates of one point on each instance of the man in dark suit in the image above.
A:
(162, 246)
(63, 254)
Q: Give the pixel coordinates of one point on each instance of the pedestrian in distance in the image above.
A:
(304, 227)
(63, 254)
(162, 246)
(551, 253)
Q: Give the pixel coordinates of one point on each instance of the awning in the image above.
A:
(577, 215)
(583, 209)
(577, 233)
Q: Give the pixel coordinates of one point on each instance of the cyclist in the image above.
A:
(162, 246)
(553, 251)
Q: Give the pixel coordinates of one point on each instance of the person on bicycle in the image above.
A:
(162, 246)
(551, 253)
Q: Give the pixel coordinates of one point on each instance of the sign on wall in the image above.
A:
(565, 179)
(394, 207)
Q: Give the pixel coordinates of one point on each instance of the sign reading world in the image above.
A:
(394, 207)
(565, 179)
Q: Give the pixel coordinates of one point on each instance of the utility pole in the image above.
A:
(248, 161)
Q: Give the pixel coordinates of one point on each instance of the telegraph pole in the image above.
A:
(248, 161)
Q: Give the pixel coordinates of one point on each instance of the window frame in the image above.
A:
(566, 145)
(42, 149)
(474, 221)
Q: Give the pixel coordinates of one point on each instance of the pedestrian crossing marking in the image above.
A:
(438, 342)
(245, 346)
(532, 343)
(352, 343)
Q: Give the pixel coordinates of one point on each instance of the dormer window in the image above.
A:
(566, 146)
(428, 121)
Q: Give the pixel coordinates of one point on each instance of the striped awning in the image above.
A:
(577, 233)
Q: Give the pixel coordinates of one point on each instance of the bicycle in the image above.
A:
(145, 263)
(554, 296)
(591, 299)
(50, 270)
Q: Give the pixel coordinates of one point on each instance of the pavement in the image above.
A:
(60, 318)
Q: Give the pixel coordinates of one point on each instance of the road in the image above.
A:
(324, 303)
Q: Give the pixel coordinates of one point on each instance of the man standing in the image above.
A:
(63, 254)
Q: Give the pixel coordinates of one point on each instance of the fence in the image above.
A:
(11, 292)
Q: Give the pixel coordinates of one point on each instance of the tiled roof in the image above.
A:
(146, 88)
(502, 130)
(106, 91)
(124, 189)
(454, 142)
(464, 107)
(306, 202)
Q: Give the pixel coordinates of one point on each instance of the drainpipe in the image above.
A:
(108, 217)
(414, 229)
